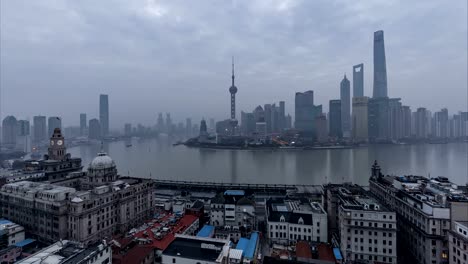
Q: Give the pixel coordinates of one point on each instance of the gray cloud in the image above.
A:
(174, 56)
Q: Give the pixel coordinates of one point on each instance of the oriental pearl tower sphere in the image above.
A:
(233, 91)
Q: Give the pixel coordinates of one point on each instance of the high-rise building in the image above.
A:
(9, 132)
(160, 124)
(53, 122)
(406, 113)
(274, 119)
(128, 130)
(40, 128)
(305, 113)
(104, 114)
(247, 123)
(380, 66)
(233, 91)
(169, 124)
(334, 118)
(282, 116)
(441, 121)
(83, 124)
(94, 129)
(23, 139)
(421, 122)
(188, 127)
(268, 114)
(212, 125)
(321, 128)
(378, 119)
(358, 80)
(345, 98)
(395, 116)
(360, 122)
(288, 124)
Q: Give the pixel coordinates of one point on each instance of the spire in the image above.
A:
(232, 70)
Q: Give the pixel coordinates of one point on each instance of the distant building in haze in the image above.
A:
(83, 122)
(282, 116)
(94, 129)
(441, 123)
(23, 139)
(406, 114)
(345, 97)
(247, 123)
(53, 122)
(358, 80)
(128, 130)
(188, 127)
(334, 118)
(9, 132)
(305, 113)
(288, 121)
(40, 128)
(160, 123)
(212, 127)
(421, 123)
(359, 120)
(233, 91)
(378, 119)
(104, 114)
(321, 128)
(168, 124)
(380, 67)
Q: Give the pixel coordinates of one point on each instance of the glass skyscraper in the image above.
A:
(104, 114)
(380, 68)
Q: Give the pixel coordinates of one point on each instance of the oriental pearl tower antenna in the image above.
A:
(233, 91)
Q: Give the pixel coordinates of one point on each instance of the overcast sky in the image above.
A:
(175, 56)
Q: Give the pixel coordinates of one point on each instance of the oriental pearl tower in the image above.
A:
(233, 91)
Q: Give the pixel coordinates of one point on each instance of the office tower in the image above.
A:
(233, 91)
(247, 123)
(406, 113)
(282, 116)
(288, 121)
(464, 124)
(259, 113)
(40, 128)
(203, 128)
(395, 118)
(53, 122)
(334, 117)
(378, 119)
(188, 127)
(160, 124)
(267, 109)
(360, 122)
(23, 139)
(441, 123)
(380, 68)
(321, 128)
(9, 132)
(128, 130)
(305, 112)
(421, 122)
(212, 125)
(83, 124)
(358, 80)
(345, 98)
(168, 123)
(94, 129)
(104, 114)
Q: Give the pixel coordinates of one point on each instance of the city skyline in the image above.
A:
(265, 75)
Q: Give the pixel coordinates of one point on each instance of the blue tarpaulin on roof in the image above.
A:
(206, 231)
(4, 222)
(24, 242)
(234, 192)
(337, 253)
(250, 251)
(242, 244)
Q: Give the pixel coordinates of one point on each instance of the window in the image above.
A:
(384, 216)
(370, 241)
(173, 260)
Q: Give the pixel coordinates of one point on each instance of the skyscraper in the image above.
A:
(188, 127)
(305, 112)
(380, 68)
(345, 98)
(160, 125)
(360, 122)
(378, 119)
(40, 128)
(24, 128)
(233, 91)
(212, 125)
(94, 129)
(334, 118)
(395, 117)
(321, 128)
(128, 130)
(282, 116)
(421, 123)
(358, 80)
(268, 114)
(104, 114)
(9, 132)
(23, 140)
(82, 124)
(406, 113)
(168, 123)
(52, 123)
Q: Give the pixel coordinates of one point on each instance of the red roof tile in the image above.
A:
(303, 250)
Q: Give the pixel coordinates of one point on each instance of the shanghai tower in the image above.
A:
(380, 68)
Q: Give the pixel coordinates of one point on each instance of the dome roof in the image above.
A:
(102, 161)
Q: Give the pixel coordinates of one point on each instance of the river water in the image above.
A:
(157, 158)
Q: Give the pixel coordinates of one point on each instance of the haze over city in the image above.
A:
(174, 56)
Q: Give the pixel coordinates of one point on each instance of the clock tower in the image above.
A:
(57, 149)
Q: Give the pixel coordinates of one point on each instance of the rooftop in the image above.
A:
(359, 199)
(206, 231)
(196, 248)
